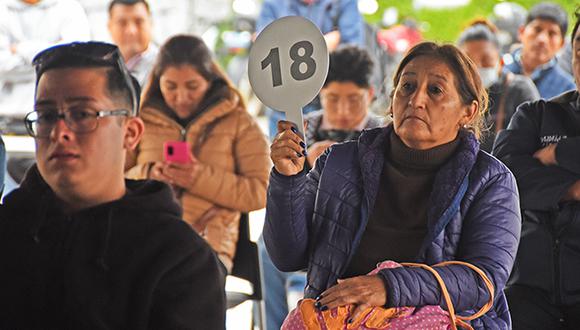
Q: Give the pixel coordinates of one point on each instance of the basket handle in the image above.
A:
(457, 319)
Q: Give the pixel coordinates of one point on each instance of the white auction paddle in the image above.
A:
(288, 65)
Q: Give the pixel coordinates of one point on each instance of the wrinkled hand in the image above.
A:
(547, 155)
(317, 149)
(573, 193)
(361, 291)
(287, 150)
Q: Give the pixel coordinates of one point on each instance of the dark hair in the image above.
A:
(469, 85)
(120, 83)
(350, 64)
(128, 3)
(575, 29)
(176, 51)
(479, 30)
(551, 12)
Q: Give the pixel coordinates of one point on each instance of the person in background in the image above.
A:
(130, 29)
(541, 146)
(339, 20)
(26, 28)
(345, 97)
(418, 190)
(188, 98)
(542, 37)
(80, 246)
(506, 90)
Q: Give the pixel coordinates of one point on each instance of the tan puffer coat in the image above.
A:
(233, 171)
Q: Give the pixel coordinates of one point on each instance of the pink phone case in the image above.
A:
(176, 151)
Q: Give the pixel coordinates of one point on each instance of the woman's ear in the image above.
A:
(470, 113)
(134, 128)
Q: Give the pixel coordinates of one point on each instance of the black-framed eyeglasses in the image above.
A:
(87, 54)
(40, 124)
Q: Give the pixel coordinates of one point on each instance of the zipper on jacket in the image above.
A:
(183, 132)
(556, 256)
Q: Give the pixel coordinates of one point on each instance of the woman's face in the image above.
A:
(427, 109)
(183, 88)
(486, 56)
(482, 52)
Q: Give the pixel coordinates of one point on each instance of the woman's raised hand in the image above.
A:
(288, 149)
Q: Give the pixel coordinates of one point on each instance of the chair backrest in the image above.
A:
(247, 260)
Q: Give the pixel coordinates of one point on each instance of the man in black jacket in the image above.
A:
(542, 147)
(80, 247)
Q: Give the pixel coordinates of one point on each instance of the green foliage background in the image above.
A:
(445, 25)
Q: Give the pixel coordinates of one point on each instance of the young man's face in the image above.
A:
(345, 104)
(130, 28)
(88, 164)
(541, 40)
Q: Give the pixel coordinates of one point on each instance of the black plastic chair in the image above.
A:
(247, 267)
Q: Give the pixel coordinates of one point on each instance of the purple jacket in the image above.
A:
(316, 220)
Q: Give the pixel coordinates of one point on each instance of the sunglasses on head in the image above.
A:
(88, 54)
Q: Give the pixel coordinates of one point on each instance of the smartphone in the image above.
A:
(176, 152)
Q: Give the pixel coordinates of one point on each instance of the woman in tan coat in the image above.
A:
(188, 98)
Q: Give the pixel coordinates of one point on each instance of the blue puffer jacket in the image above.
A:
(316, 220)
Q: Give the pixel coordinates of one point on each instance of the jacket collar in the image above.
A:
(539, 71)
(570, 99)
(220, 109)
(448, 181)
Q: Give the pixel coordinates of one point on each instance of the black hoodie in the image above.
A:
(128, 264)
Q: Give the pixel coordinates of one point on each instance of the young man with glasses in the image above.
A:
(345, 98)
(80, 247)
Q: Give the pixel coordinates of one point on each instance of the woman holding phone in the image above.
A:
(189, 106)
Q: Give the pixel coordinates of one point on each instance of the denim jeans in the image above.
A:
(274, 116)
(278, 287)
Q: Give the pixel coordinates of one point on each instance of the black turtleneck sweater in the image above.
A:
(398, 223)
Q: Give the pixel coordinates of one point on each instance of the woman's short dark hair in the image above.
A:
(350, 64)
(177, 51)
(469, 85)
(479, 30)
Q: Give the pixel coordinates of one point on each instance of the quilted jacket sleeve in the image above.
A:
(289, 210)
(489, 240)
(541, 187)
